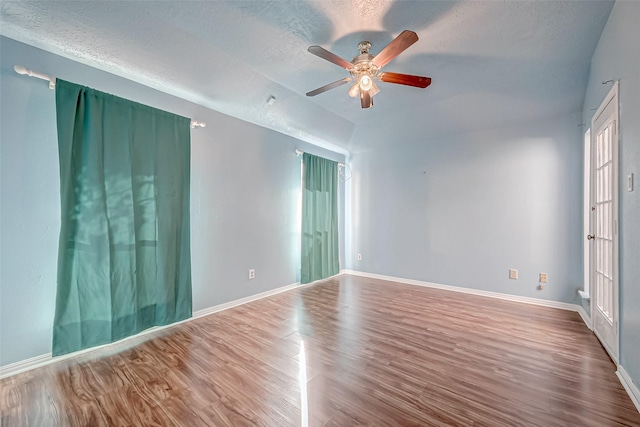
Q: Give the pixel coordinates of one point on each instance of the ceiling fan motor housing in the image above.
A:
(362, 64)
(364, 46)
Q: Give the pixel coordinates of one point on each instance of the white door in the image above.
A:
(604, 231)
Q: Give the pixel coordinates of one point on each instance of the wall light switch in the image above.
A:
(513, 273)
(630, 182)
(543, 278)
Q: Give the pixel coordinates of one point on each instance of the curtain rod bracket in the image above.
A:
(22, 70)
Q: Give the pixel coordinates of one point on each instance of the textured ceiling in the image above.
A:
(492, 63)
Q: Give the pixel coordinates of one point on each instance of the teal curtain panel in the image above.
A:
(320, 253)
(124, 261)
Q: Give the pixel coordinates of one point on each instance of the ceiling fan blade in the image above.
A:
(365, 99)
(405, 79)
(331, 57)
(329, 86)
(395, 48)
(374, 90)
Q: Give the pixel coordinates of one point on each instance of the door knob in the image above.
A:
(591, 236)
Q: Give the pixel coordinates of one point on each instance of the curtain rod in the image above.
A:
(300, 153)
(52, 85)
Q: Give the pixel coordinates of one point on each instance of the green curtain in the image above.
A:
(320, 256)
(124, 261)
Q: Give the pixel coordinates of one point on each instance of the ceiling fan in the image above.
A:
(365, 69)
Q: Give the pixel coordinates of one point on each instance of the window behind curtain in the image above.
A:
(320, 247)
(124, 254)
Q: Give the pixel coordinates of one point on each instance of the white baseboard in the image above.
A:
(515, 298)
(25, 365)
(629, 386)
(585, 317)
(235, 303)
(46, 359)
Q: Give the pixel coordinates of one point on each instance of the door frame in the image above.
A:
(587, 219)
(612, 97)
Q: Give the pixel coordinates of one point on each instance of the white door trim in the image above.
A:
(587, 218)
(612, 348)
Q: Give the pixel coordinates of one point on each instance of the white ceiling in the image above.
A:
(492, 62)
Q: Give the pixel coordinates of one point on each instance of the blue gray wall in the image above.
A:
(245, 182)
(617, 57)
(463, 210)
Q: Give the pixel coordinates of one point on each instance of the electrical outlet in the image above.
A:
(543, 278)
(359, 257)
(513, 274)
(252, 274)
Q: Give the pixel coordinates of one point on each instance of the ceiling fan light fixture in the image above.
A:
(354, 90)
(366, 82)
(374, 90)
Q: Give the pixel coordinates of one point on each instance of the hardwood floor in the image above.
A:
(345, 352)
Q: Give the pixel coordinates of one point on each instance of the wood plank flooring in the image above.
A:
(348, 351)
